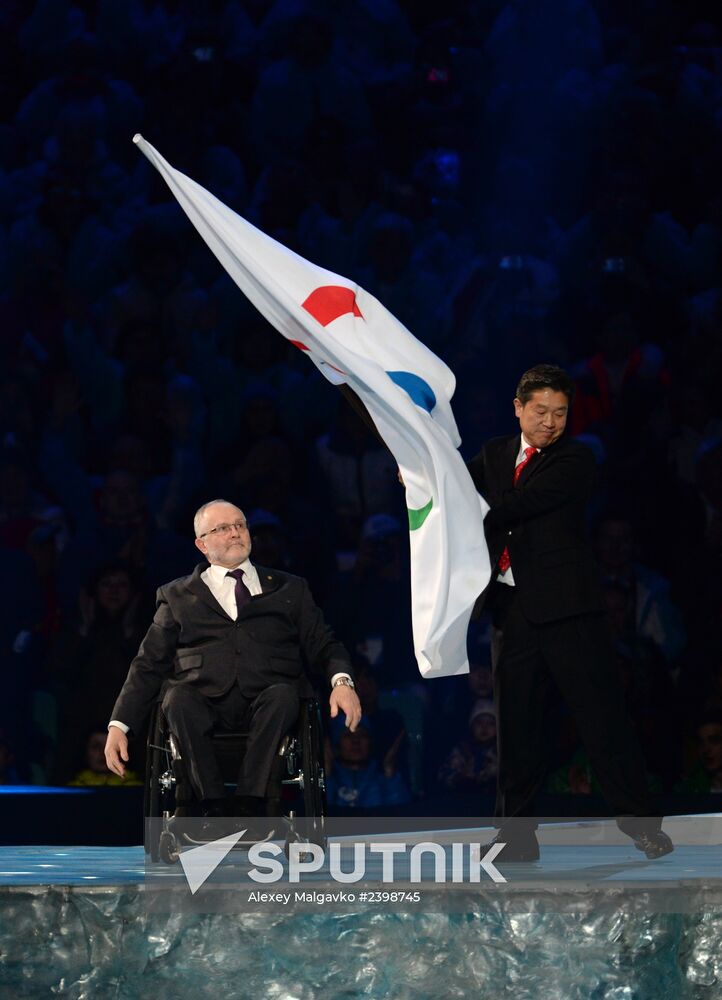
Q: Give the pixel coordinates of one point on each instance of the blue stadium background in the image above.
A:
(518, 182)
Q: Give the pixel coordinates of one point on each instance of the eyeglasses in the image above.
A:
(224, 529)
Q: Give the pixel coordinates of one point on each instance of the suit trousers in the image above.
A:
(192, 717)
(576, 655)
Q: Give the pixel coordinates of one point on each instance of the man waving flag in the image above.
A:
(406, 389)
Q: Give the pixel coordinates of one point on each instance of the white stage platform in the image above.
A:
(592, 920)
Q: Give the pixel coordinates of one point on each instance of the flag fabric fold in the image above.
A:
(407, 390)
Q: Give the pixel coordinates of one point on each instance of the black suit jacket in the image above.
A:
(193, 641)
(542, 519)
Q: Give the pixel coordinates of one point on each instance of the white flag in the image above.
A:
(406, 389)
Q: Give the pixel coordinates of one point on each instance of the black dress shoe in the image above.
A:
(653, 843)
(215, 827)
(516, 848)
(646, 835)
(251, 830)
(258, 831)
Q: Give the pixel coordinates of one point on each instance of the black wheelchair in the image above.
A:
(298, 766)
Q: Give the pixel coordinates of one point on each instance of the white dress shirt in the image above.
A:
(507, 576)
(223, 588)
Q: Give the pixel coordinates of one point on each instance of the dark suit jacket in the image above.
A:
(543, 522)
(193, 641)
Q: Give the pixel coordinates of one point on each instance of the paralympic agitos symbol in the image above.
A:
(326, 304)
(329, 302)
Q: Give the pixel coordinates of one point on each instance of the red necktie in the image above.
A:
(243, 594)
(505, 559)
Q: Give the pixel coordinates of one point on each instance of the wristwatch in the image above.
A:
(343, 682)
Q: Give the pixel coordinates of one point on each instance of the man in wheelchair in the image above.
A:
(227, 645)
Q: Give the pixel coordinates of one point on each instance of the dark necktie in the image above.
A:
(529, 453)
(243, 594)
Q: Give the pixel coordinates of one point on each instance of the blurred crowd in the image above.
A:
(517, 182)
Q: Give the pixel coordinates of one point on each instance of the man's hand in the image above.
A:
(116, 750)
(345, 698)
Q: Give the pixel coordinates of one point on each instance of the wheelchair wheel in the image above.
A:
(314, 788)
(302, 855)
(168, 848)
(153, 794)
